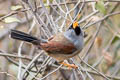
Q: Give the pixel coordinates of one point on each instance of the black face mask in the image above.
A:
(77, 29)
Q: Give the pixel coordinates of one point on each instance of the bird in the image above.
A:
(61, 46)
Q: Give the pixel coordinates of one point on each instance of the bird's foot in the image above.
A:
(70, 66)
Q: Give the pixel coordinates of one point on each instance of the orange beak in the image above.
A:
(75, 24)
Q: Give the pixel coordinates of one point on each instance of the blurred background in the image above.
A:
(99, 19)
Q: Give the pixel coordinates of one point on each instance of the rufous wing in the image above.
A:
(58, 45)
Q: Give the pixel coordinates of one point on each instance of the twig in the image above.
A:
(92, 42)
(89, 76)
(50, 73)
(102, 19)
(95, 69)
(15, 56)
(20, 62)
(95, 73)
(41, 67)
(29, 65)
(72, 2)
(8, 75)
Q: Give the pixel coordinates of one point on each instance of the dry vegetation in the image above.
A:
(99, 59)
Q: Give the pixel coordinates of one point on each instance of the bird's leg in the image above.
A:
(69, 65)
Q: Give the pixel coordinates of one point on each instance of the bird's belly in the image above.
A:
(61, 57)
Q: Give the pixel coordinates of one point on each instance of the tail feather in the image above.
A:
(24, 37)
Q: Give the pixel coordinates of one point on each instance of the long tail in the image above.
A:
(24, 37)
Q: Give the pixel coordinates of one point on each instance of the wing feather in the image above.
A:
(58, 48)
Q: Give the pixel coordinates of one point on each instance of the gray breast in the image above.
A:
(77, 40)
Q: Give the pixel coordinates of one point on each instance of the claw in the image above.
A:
(70, 66)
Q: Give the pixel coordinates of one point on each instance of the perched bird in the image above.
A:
(61, 46)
